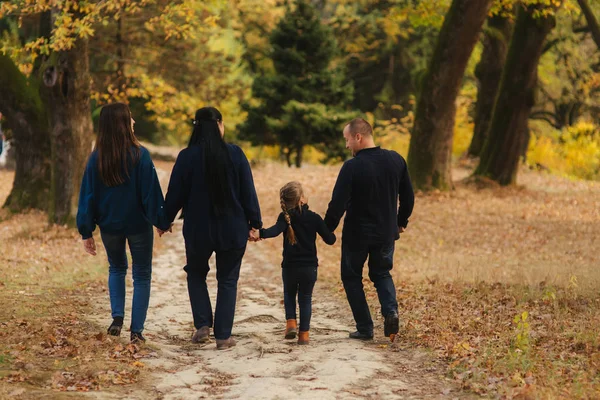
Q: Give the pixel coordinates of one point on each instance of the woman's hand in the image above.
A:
(254, 235)
(89, 246)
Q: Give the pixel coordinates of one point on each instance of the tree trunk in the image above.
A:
(430, 149)
(508, 130)
(26, 117)
(299, 152)
(488, 73)
(591, 20)
(67, 93)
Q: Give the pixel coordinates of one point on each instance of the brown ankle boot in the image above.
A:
(303, 337)
(290, 329)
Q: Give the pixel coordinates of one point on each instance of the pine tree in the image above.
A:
(301, 102)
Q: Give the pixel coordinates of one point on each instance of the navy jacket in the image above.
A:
(188, 190)
(130, 208)
(368, 189)
(306, 225)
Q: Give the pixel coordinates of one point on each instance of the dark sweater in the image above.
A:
(368, 189)
(188, 189)
(130, 208)
(306, 225)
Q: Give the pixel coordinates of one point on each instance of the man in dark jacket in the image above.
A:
(368, 189)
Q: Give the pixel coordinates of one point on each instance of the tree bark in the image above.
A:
(66, 91)
(430, 149)
(299, 153)
(509, 126)
(591, 20)
(26, 117)
(488, 73)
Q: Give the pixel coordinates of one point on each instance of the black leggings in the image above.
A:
(299, 281)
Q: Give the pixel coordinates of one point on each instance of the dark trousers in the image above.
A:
(228, 272)
(299, 281)
(381, 259)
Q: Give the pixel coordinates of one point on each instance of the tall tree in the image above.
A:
(429, 155)
(509, 126)
(488, 73)
(26, 117)
(302, 85)
(591, 20)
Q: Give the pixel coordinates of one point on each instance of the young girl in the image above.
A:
(299, 266)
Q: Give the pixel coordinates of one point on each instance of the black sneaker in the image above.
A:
(115, 328)
(391, 324)
(361, 336)
(136, 337)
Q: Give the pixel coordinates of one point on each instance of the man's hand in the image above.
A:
(89, 246)
(401, 229)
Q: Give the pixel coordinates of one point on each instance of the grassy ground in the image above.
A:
(498, 283)
(47, 285)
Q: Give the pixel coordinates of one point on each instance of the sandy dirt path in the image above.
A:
(263, 364)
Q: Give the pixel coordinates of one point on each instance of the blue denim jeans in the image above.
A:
(140, 246)
(299, 281)
(381, 261)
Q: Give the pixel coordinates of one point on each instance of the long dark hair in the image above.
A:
(116, 144)
(217, 161)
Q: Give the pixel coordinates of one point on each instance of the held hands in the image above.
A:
(254, 235)
(89, 246)
(161, 232)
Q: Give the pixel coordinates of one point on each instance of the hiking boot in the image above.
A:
(201, 335)
(136, 337)
(361, 336)
(303, 337)
(391, 324)
(224, 344)
(115, 328)
(290, 329)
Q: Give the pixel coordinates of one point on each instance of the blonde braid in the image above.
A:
(291, 236)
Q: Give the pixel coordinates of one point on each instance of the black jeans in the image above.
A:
(228, 272)
(381, 260)
(300, 281)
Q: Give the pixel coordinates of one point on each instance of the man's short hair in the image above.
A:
(359, 125)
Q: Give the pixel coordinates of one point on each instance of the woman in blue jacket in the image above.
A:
(212, 182)
(121, 194)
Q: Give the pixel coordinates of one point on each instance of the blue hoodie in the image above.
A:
(129, 208)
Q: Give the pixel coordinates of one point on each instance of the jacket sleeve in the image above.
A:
(248, 197)
(323, 231)
(339, 198)
(151, 194)
(86, 223)
(274, 231)
(406, 196)
(178, 187)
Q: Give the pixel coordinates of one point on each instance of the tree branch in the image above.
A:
(591, 20)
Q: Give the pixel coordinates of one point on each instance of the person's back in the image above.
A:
(191, 191)
(130, 207)
(377, 178)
